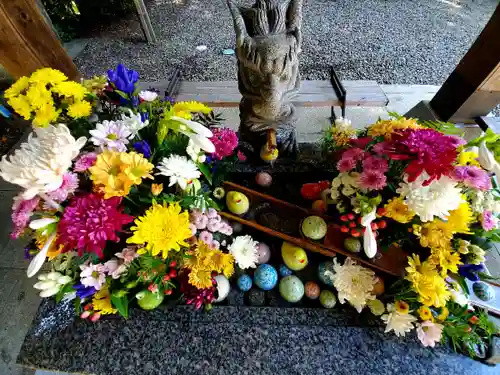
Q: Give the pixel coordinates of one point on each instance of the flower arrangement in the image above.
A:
(117, 193)
(437, 194)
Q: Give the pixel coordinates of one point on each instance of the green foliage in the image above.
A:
(441, 126)
(120, 302)
(210, 119)
(68, 288)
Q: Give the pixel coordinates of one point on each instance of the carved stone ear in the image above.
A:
(239, 23)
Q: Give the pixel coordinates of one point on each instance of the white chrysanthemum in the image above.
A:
(398, 322)
(111, 135)
(244, 251)
(435, 200)
(41, 162)
(148, 96)
(133, 122)
(179, 169)
(354, 283)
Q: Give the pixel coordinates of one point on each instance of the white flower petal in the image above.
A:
(204, 143)
(50, 292)
(45, 284)
(194, 126)
(39, 259)
(42, 223)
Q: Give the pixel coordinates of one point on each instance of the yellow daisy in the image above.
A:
(70, 89)
(436, 234)
(397, 209)
(200, 278)
(137, 167)
(446, 260)
(45, 115)
(79, 109)
(17, 88)
(39, 96)
(460, 219)
(108, 172)
(101, 302)
(21, 105)
(185, 109)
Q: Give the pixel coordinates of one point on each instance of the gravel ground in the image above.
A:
(391, 41)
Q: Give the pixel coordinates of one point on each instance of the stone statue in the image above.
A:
(268, 42)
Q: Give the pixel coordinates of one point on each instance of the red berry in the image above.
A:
(359, 220)
(355, 233)
(153, 288)
(473, 319)
(381, 211)
(351, 216)
(344, 229)
(352, 224)
(166, 278)
(468, 329)
(382, 224)
(172, 273)
(374, 226)
(363, 230)
(344, 218)
(173, 264)
(168, 292)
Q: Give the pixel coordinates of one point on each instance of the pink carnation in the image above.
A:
(21, 213)
(375, 163)
(346, 164)
(353, 153)
(89, 221)
(372, 180)
(225, 141)
(473, 177)
(69, 185)
(85, 161)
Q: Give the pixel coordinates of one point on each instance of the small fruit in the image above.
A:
(166, 278)
(352, 224)
(381, 211)
(379, 286)
(344, 229)
(382, 224)
(350, 216)
(312, 290)
(168, 292)
(173, 264)
(355, 233)
(311, 191)
(172, 273)
(374, 226)
(344, 218)
(353, 245)
(263, 179)
(327, 299)
(319, 207)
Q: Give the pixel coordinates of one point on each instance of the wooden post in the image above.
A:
(27, 41)
(147, 28)
(473, 89)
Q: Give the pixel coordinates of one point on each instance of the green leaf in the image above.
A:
(120, 302)
(122, 94)
(68, 288)
(205, 169)
(485, 276)
(77, 304)
(461, 281)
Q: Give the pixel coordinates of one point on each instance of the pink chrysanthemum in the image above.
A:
(69, 185)
(225, 141)
(488, 220)
(21, 213)
(85, 161)
(89, 221)
(375, 163)
(473, 177)
(372, 180)
(353, 153)
(346, 164)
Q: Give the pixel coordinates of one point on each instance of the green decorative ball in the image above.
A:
(353, 245)
(327, 299)
(314, 227)
(291, 288)
(149, 301)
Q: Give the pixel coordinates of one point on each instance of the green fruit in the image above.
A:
(327, 299)
(314, 227)
(149, 301)
(352, 244)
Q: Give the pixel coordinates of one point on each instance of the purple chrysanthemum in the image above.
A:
(21, 213)
(225, 141)
(473, 176)
(69, 185)
(372, 180)
(85, 161)
(488, 220)
(89, 221)
(375, 163)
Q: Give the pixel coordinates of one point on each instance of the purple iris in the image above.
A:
(28, 253)
(143, 148)
(169, 99)
(123, 78)
(83, 291)
(470, 271)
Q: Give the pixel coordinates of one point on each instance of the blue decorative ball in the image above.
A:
(265, 277)
(483, 291)
(325, 272)
(244, 283)
(285, 271)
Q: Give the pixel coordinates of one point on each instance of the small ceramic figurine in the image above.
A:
(223, 287)
(294, 257)
(237, 202)
(148, 300)
(244, 283)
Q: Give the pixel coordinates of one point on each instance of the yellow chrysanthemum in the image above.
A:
(200, 278)
(21, 105)
(39, 96)
(425, 313)
(101, 302)
(108, 171)
(446, 259)
(70, 89)
(444, 314)
(79, 109)
(418, 269)
(436, 234)
(17, 88)
(47, 75)
(402, 307)
(45, 115)
(162, 228)
(397, 209)
(136, 167)
(96, 83)
(460, 219)
(468, 158)
(185, 109)
(387, 127)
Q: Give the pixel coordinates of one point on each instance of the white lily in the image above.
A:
(51, 283)
(197, 132)
(39, 259)
(487, 159)
(42, 223)
(369, 241)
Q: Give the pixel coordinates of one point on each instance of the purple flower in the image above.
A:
(85, 161)
(375, 163)
(470, 271)
(27, 252)
(473, 177)
(372, 180)
(69, 185)
(143, 148)
(21, 213)
(169, 99)
(123, 78)
(488, 220)
(83, 291)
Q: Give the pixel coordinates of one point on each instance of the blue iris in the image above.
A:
(83, 291)
(123, 78)
(143, 148)
(470, 271)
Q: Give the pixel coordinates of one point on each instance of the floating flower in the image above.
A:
(123, 78)
(372, 180)
(429, 333)
(354, 283)
(473, 177)
(40, 163)
(148, 96)
(397, 210)
(85, 161)
(89, 221)
(436, 199)
(111, 135)
(400, 323)
(225, 141)
(488, 220)
(162, 228)
(179, 169)
(93, 275)
(244, 250)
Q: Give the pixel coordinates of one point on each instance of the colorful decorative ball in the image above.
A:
(379, 286)
(294, 257)
(264, 179)
(312, 290)
(263, 252)
(223, 287)
(291, 288)
(265, 277)
(314, 227)
(284, 270)
(148, 300)
(325, 272)
(256, 297)
(483, 291)
(244, 283)
(327, 299)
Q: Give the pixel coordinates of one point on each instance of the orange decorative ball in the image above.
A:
(379, 286)
(311, 290)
